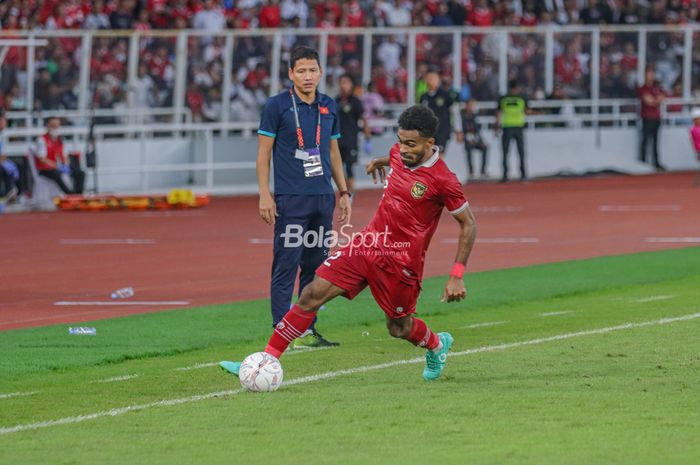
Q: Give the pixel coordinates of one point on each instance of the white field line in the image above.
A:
(506, 209)
(196, 366)
(565, 312)
(17, 394)
(653, 298)
(498, 240)
(116, 378)
(286, 354)
(257, 240)
(161, 214)
(482, 325)
(639, 208)
(117, 303)
(673, 240)
(334, 374)
(106, 241)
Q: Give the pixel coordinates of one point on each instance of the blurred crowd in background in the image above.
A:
(57, 64)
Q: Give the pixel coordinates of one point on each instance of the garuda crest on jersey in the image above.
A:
(418, 190)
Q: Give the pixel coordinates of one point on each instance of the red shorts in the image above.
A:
(395, 288)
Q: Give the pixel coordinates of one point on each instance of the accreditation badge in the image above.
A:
(312, 165)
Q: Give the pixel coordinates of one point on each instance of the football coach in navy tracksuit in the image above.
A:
(299, 130)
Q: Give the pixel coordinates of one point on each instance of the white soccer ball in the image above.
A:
(261, 372)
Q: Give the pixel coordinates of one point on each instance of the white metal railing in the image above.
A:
(503, 36)
(75, 137)
(177, 121)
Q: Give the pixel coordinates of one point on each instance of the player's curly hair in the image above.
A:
(419, 118)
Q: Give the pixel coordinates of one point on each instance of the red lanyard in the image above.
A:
(300, 135)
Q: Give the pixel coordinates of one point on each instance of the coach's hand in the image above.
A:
(376, 169)
(268, 208)
(345, 209)
(454, 290)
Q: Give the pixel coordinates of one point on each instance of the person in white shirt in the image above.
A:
(397, 14)
(389, 53)
(290, 9)
(210, 18)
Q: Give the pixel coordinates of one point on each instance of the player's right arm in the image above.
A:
(267, 207)
(269, 124)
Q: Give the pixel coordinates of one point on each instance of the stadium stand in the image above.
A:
(131, 66)
(57, 64)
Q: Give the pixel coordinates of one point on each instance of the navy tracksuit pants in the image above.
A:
(297, 214)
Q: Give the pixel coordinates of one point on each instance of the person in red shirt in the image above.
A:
(354, 15)
(651, 96)
(481, 14)
(270, 14)
(51, 162)
(389, 254)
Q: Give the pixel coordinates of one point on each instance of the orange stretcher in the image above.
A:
(175, 199)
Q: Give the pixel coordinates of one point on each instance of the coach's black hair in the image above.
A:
(512, 84)
(301, 52)
(419, 118)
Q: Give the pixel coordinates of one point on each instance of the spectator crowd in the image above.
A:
(57, 64)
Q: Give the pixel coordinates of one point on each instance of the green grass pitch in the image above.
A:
(587, 362)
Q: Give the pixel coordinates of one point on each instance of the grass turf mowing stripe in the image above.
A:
(49, 348)
(333, 374)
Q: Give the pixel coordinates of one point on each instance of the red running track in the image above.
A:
(222, 253)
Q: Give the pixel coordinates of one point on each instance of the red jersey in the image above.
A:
(410, 209)
(270, 16)
(46, 147)
(481, 17)
(650, 111)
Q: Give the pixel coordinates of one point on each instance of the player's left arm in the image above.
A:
(454, 289)
(339, 178)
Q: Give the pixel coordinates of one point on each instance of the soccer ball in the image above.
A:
(260, 372)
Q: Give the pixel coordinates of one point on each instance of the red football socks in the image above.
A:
(294, 324)
(422, 336)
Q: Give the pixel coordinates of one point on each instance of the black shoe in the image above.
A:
(322, 341)
(504, 179)
(312, 340)
(659, 167)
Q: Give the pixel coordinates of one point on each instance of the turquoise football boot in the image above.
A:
(230, 367)
(435, 362)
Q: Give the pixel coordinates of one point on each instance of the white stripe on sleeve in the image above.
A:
(460, 209)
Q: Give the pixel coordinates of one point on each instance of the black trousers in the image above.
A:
(77, 176)
(650, 135)
(297, 215)
(476, 145)
(517, 135)
(7, 182)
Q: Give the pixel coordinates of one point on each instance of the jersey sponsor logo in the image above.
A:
(323, 110)
(439, 101)
(347, 108)
(418, 190)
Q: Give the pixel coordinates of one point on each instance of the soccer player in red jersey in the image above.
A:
(388, 255)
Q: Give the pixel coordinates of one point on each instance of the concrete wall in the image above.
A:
(549, 152)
